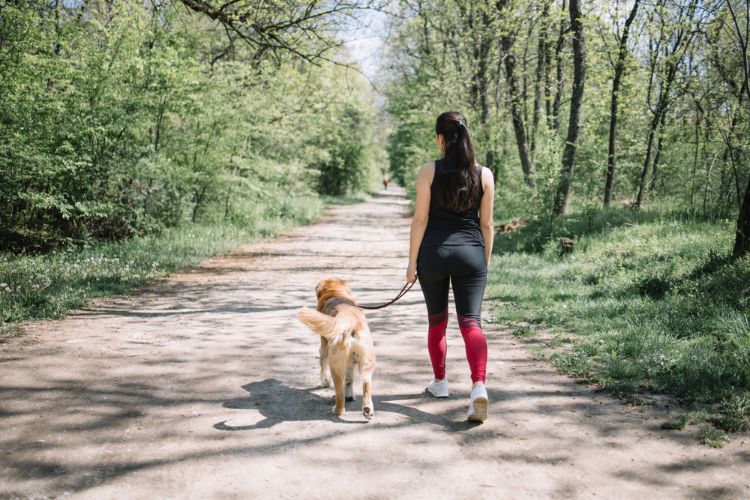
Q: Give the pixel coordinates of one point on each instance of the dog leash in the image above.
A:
(400, 294)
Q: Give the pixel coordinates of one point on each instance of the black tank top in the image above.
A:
(448, 227)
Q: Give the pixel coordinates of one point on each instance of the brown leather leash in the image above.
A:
(400, 294)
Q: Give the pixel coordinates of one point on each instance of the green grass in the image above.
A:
(523, 331)
(349, 199)
(677, 423)
(650, 300)
(712, 437)
(48, 285)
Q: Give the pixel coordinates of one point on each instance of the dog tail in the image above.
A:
(326, 326)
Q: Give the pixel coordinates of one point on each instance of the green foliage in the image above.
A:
(126, 119)
(436, 64)
(412, 140)
(340, 171)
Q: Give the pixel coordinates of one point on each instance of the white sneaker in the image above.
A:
(478, 403)
(438, 388)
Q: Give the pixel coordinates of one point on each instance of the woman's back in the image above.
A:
(445, 226)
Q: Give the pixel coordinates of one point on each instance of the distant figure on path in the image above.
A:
(386, 181)
(451, 245)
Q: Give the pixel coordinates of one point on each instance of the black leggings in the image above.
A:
(464, 267)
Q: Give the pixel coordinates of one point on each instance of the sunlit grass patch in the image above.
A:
(48, 285)
(349, 199)
(653, 304)
(523, 331)
(713, 437)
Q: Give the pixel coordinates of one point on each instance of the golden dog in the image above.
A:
(345, 341)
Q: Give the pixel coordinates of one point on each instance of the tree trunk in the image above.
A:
(742, 241)
(614, 102)
(539, 77)
(525, 76)
(516, 114)
(657, 157)
(199, 196)
(731, 155)
(655, 127)
(674, 55)
(694, 175)
(646, 161)
(574, 118)
(548, 81)
(559, 74)
(489, 162)
(519, 129)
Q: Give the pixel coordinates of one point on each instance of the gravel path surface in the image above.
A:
(204, 385)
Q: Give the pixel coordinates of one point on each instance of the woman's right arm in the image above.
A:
(419, 220)
(485, 213)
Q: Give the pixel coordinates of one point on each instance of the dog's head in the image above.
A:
(332, 287)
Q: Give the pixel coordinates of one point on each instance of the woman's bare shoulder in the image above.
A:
(427, 172)
(427, 167)
(487, 176)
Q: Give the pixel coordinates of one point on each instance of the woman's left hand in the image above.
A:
(411, 273)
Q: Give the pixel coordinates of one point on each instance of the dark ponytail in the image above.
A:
(458, 183)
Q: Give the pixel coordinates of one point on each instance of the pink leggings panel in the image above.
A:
(474, 341)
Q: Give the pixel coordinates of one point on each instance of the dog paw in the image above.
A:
(337, 412)
(368, 412)
(325, 382)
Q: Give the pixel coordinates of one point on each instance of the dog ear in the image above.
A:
(319, 288)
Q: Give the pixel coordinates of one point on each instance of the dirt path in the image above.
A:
(205, 386)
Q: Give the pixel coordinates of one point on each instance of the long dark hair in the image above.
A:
(458, 182)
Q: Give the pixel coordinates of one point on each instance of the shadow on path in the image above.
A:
(280, 403)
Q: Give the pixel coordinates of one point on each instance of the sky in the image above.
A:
(365, 40)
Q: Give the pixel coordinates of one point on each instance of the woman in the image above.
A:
(451, 243)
